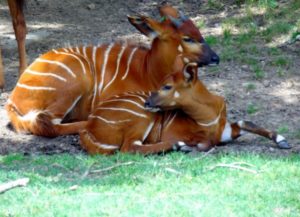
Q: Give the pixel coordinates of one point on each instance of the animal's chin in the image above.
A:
(152, 109)
(208, 64)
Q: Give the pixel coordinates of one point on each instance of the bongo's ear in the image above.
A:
(147, 26)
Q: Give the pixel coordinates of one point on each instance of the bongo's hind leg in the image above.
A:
(241, 127)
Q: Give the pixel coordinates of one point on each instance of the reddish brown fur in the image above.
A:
(202, 107)
(146, 70)
(113, 126)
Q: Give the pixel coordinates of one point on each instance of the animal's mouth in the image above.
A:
(152, 108)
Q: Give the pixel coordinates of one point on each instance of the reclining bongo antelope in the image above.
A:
(191, 118)
(57, 92)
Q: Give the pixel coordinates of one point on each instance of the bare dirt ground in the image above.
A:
(56, 23)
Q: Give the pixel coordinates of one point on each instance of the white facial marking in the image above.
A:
(138, 142)
(226, 135)
(176, 94)
(186, 60)
(173, 103)
(279, 138)
(180, 49)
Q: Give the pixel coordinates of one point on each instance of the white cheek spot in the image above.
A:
(138, 142)
(173, 103)
(226, 135)
(279, 138)
(186, 60)
(180, 49)
(176, 94)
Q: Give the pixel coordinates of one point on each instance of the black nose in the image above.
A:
(215, 59)
(147, 104)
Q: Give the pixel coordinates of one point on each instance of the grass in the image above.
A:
(252, 109)
(172, 185)
(250, 86)
(252, 35)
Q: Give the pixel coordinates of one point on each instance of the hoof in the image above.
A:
(187, 149)
(284, 144)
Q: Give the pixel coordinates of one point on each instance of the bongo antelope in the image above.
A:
(207, 125)
(190, 118)
(18, 20)
(57, 92)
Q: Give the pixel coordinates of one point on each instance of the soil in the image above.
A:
(55, 23)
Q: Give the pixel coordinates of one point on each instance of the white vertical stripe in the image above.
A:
(109, 121)
(72, 106)
(77, 50)
(170, 122)
(125, 100)
(148, 130)
(35, 87)
(84, 51)
(123, 109)
(94, 52)
(66, 50)
(76, 57)
(106, 55)
(57, 63)
(50, 74)
(100, 145)
(137, 96)
(129, 62)
(117, 69)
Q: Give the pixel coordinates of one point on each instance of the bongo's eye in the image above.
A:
(188, 40)
(167, 87)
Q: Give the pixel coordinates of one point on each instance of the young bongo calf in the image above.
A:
(123, 123)
(208, 111)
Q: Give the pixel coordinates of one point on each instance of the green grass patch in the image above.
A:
(283, 129)
(252, 109)
(172, 185)
(248, 36)
(258, 72)
(250, 86)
